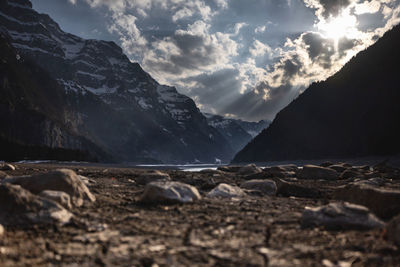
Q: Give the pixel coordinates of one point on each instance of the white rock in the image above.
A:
(167, 192)
(60, 197)
(341, 215)
(226, 191)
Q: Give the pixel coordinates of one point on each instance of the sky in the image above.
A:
(239, 58)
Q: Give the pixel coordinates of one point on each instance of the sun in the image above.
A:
(344, 25)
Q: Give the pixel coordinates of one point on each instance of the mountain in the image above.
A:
(237, 132)
(356, 112)
(36, 120)
(115, 104)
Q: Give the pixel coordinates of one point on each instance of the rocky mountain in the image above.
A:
(238, 133)
(114, 102)
(355, 112)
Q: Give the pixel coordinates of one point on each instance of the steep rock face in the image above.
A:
(355, 112)
(34, 112)
(121, 107)
(238, 133)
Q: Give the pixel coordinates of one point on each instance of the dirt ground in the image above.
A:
(117, 230)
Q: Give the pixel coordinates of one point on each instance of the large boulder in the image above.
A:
(166, 192)
(316, 173)
(226, 191)
(152, 176)
(393, 230)
(384, 203)
(340, 216)
(266, 187)
(60, 180)
(20, 207)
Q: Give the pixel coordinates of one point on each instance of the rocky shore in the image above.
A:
(330, 215)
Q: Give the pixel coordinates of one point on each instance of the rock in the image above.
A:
(20, 207)
(167, 192)
(393, 230)
(211, 171)
(317, 173)
(60, 180)
(229, 168)
(338, 167)
(326, 164)
(350, 174)
(287, 189)
(340, 216)
(86, 180)
(226, 191)
(60, 197)
(371, 182)
(1, 230)
(7, 167)
(249, 169)
(266, 187)
(275, 171)
(384, 203)
(152, 176)
(3, 175)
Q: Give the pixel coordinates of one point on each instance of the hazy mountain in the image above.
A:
(238, 133)
(113, 102)
(356, 112)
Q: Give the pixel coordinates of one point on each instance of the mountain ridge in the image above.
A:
(353, 113)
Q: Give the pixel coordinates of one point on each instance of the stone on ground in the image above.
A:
(60, 197)
(249, 169)
(152, 176)
(393, 230)
(166, 192)
(340, 216)
(313, 172)
(20, 207)
(1, 230)
(266, 187)
(383, 202)
(226, 191)
(60, 180)
(287, 189)
(7, 167)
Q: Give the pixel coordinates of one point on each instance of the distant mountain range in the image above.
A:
(356, 112)
(91, 97)
(238, 132)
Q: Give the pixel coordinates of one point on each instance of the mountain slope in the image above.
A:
(121, 107)
(237, 132)
(355, 112)
(35, 118)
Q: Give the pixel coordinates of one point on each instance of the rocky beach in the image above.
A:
(335, 214)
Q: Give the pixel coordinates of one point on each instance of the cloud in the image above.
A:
(245, 58)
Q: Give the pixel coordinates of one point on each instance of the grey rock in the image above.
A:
(287, 189)
(275, 171)
(266, 187)
(166, 192)
(152, 176)
(371, 182)
(351, 174)
(60, 197)
(384, 203)
(338, 167)
(60, 180)
(20, 207)
(342, 215)
(317, 173)
(393, 230)
(226, 191)
(249, 169)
